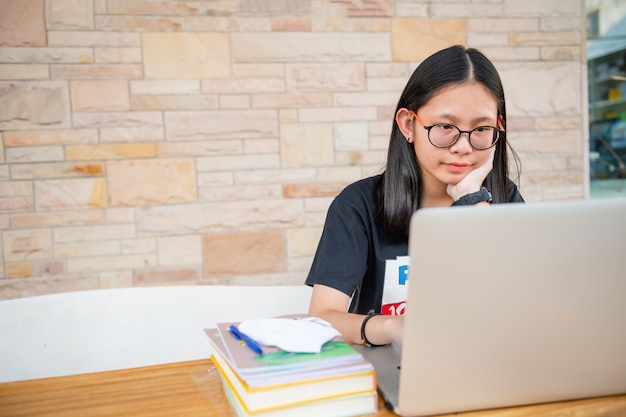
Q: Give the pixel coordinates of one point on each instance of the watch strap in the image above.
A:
(474, 198)
(364, 340)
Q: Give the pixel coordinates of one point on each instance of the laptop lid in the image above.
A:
(512, 304)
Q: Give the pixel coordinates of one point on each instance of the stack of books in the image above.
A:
(264, 381)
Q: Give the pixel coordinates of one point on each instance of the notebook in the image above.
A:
(510, 305)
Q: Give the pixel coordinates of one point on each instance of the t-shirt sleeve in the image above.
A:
(340, 261)
(514, 194)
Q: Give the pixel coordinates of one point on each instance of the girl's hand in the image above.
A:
(473, 180)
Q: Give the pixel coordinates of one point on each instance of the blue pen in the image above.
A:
(251, 343)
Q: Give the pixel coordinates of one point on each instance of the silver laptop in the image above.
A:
(510, 305)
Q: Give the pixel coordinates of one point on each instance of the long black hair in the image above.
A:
(401, 190)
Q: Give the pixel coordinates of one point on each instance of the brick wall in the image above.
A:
(201, 142)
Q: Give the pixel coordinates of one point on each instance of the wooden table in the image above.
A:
(193, 389)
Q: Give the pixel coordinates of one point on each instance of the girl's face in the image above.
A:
(466, 106)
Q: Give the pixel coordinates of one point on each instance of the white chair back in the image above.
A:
(91, 331)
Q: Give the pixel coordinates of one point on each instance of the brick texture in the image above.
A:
(201, 142)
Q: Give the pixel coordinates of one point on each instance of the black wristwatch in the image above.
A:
(474, 198)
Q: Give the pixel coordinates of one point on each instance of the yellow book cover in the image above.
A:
(339, 406)
(290, 394)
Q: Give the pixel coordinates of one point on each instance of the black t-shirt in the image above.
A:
(354, 250)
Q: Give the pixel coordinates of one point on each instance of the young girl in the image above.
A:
(447, 147)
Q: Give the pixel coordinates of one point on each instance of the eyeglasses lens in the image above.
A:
(444, 135)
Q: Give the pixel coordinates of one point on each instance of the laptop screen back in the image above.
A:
(514, 304)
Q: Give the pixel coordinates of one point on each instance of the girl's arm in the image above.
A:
(331, 305)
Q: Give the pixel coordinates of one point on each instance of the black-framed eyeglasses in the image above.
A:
(444, 135)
